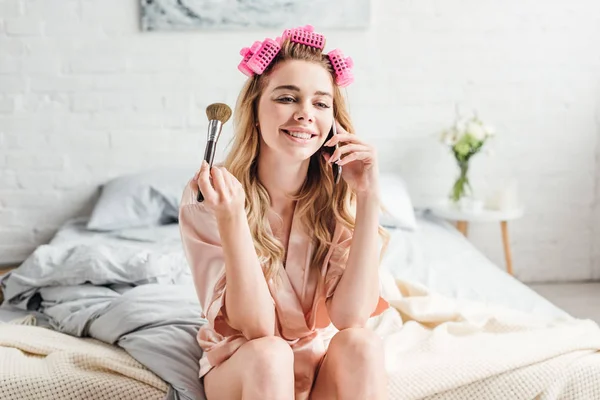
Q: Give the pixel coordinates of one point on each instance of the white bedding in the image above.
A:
(439, 257)
(439, 348)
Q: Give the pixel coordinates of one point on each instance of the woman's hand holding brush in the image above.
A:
(225, 197)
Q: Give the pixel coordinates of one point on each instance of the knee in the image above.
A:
(269, 354)
(268, 369)
(356, 345)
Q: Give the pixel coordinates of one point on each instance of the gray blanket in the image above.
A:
(140, 299)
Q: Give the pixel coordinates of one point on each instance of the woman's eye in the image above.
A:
(286, 99)
(322, 105)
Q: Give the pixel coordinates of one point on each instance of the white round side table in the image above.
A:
(463, 217)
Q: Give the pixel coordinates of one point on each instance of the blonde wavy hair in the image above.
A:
(315, 207)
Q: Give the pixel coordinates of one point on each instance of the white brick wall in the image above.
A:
(85, 96)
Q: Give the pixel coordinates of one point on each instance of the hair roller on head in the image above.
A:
(257, 58)
(342, 67)
(306, 36)
(247, 53)
(263, 56)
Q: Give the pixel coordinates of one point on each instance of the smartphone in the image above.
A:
(337, 169)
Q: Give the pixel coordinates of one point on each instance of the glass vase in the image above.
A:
(462, 187)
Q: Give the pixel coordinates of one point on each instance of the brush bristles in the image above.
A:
(219, 111)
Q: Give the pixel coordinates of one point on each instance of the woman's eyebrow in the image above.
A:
(287, 87)
(297, 89)
(320, 93)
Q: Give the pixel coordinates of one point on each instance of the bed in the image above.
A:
(126, 295)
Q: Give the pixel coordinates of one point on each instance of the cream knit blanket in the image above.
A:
(37, 363)
(441, 348)
(436, 348)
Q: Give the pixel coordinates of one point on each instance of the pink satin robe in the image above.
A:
(302, 318)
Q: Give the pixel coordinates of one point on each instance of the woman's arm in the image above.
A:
(357, 292)
(249, 305)
(220, 250)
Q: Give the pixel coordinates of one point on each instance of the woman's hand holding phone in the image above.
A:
(359, 160)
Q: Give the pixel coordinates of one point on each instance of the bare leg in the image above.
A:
(353, 368)
(260, 369)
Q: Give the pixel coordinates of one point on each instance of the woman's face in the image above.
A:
(295, 111)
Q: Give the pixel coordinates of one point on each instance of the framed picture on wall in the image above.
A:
(164, 15)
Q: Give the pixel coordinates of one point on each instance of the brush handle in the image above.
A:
(209, 155)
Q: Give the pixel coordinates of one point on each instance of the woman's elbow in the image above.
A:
(257, 331)
(258, 326)
(344, 317)
(348, 323)
(345, 320)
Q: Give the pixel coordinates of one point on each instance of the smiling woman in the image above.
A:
(285, 261)
(301, 111)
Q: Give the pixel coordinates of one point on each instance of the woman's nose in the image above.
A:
(303, 114)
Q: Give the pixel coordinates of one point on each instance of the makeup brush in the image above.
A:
(218, 114)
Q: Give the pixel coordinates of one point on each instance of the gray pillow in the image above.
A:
(148, 198)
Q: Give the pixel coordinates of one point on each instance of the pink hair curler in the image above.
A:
(260, 60)
(305, 35)
(247, 53)
(256, 59)
(342, 67)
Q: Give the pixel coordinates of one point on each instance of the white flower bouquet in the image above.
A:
(465, 139)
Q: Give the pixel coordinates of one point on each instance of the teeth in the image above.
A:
(299, 135)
